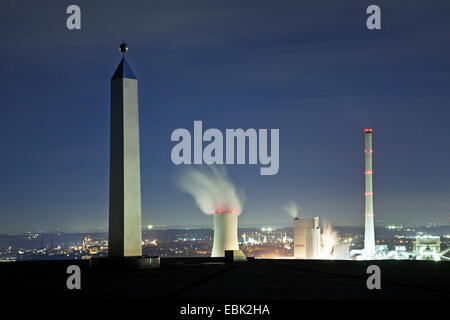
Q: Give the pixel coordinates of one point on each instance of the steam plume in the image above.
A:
(329, 239)
(211, 188)
(292, 209)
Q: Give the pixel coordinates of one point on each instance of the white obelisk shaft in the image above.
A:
(125, 232)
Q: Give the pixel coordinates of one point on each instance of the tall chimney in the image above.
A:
(369, 234)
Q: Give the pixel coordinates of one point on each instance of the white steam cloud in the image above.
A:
(292, 209)
(329, 239)
(211, 188)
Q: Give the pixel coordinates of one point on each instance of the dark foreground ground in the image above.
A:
(182, 279)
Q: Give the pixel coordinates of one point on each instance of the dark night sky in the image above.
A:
(310, 68)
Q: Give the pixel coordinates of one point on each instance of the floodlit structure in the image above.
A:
(341, 251)
(125, 234)
(369, 233)
(427, 247)
(225, 232)
(306, 238)
(312, 243)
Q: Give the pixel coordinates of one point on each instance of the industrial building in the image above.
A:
(427, 247)
(341, 251)
(307, 242)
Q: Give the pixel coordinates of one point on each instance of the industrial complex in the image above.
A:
(308, 261)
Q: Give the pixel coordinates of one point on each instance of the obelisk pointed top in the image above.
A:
(123, 70)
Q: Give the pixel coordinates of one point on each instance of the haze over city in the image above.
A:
(321, 81)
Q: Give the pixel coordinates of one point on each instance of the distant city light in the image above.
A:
(396, 242)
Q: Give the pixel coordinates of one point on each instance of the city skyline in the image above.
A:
(320, 81)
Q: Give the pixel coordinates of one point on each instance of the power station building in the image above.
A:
(427, 247)
(341, 251)
(307, 242)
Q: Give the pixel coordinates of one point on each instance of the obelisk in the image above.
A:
(125, 233)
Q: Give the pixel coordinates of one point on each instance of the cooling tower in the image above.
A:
(369, 232)
(225, 232)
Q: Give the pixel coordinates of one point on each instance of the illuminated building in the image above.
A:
(341, 251)
(427, 247)
(306, 238)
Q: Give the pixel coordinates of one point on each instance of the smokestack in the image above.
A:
(225, 232)
(369, 234)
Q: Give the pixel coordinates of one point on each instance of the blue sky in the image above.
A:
(309, 68)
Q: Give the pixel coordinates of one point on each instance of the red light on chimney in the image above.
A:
(224, 211)
(368, 130)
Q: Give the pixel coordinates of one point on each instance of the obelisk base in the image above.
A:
(139, 262)
(235, 256)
